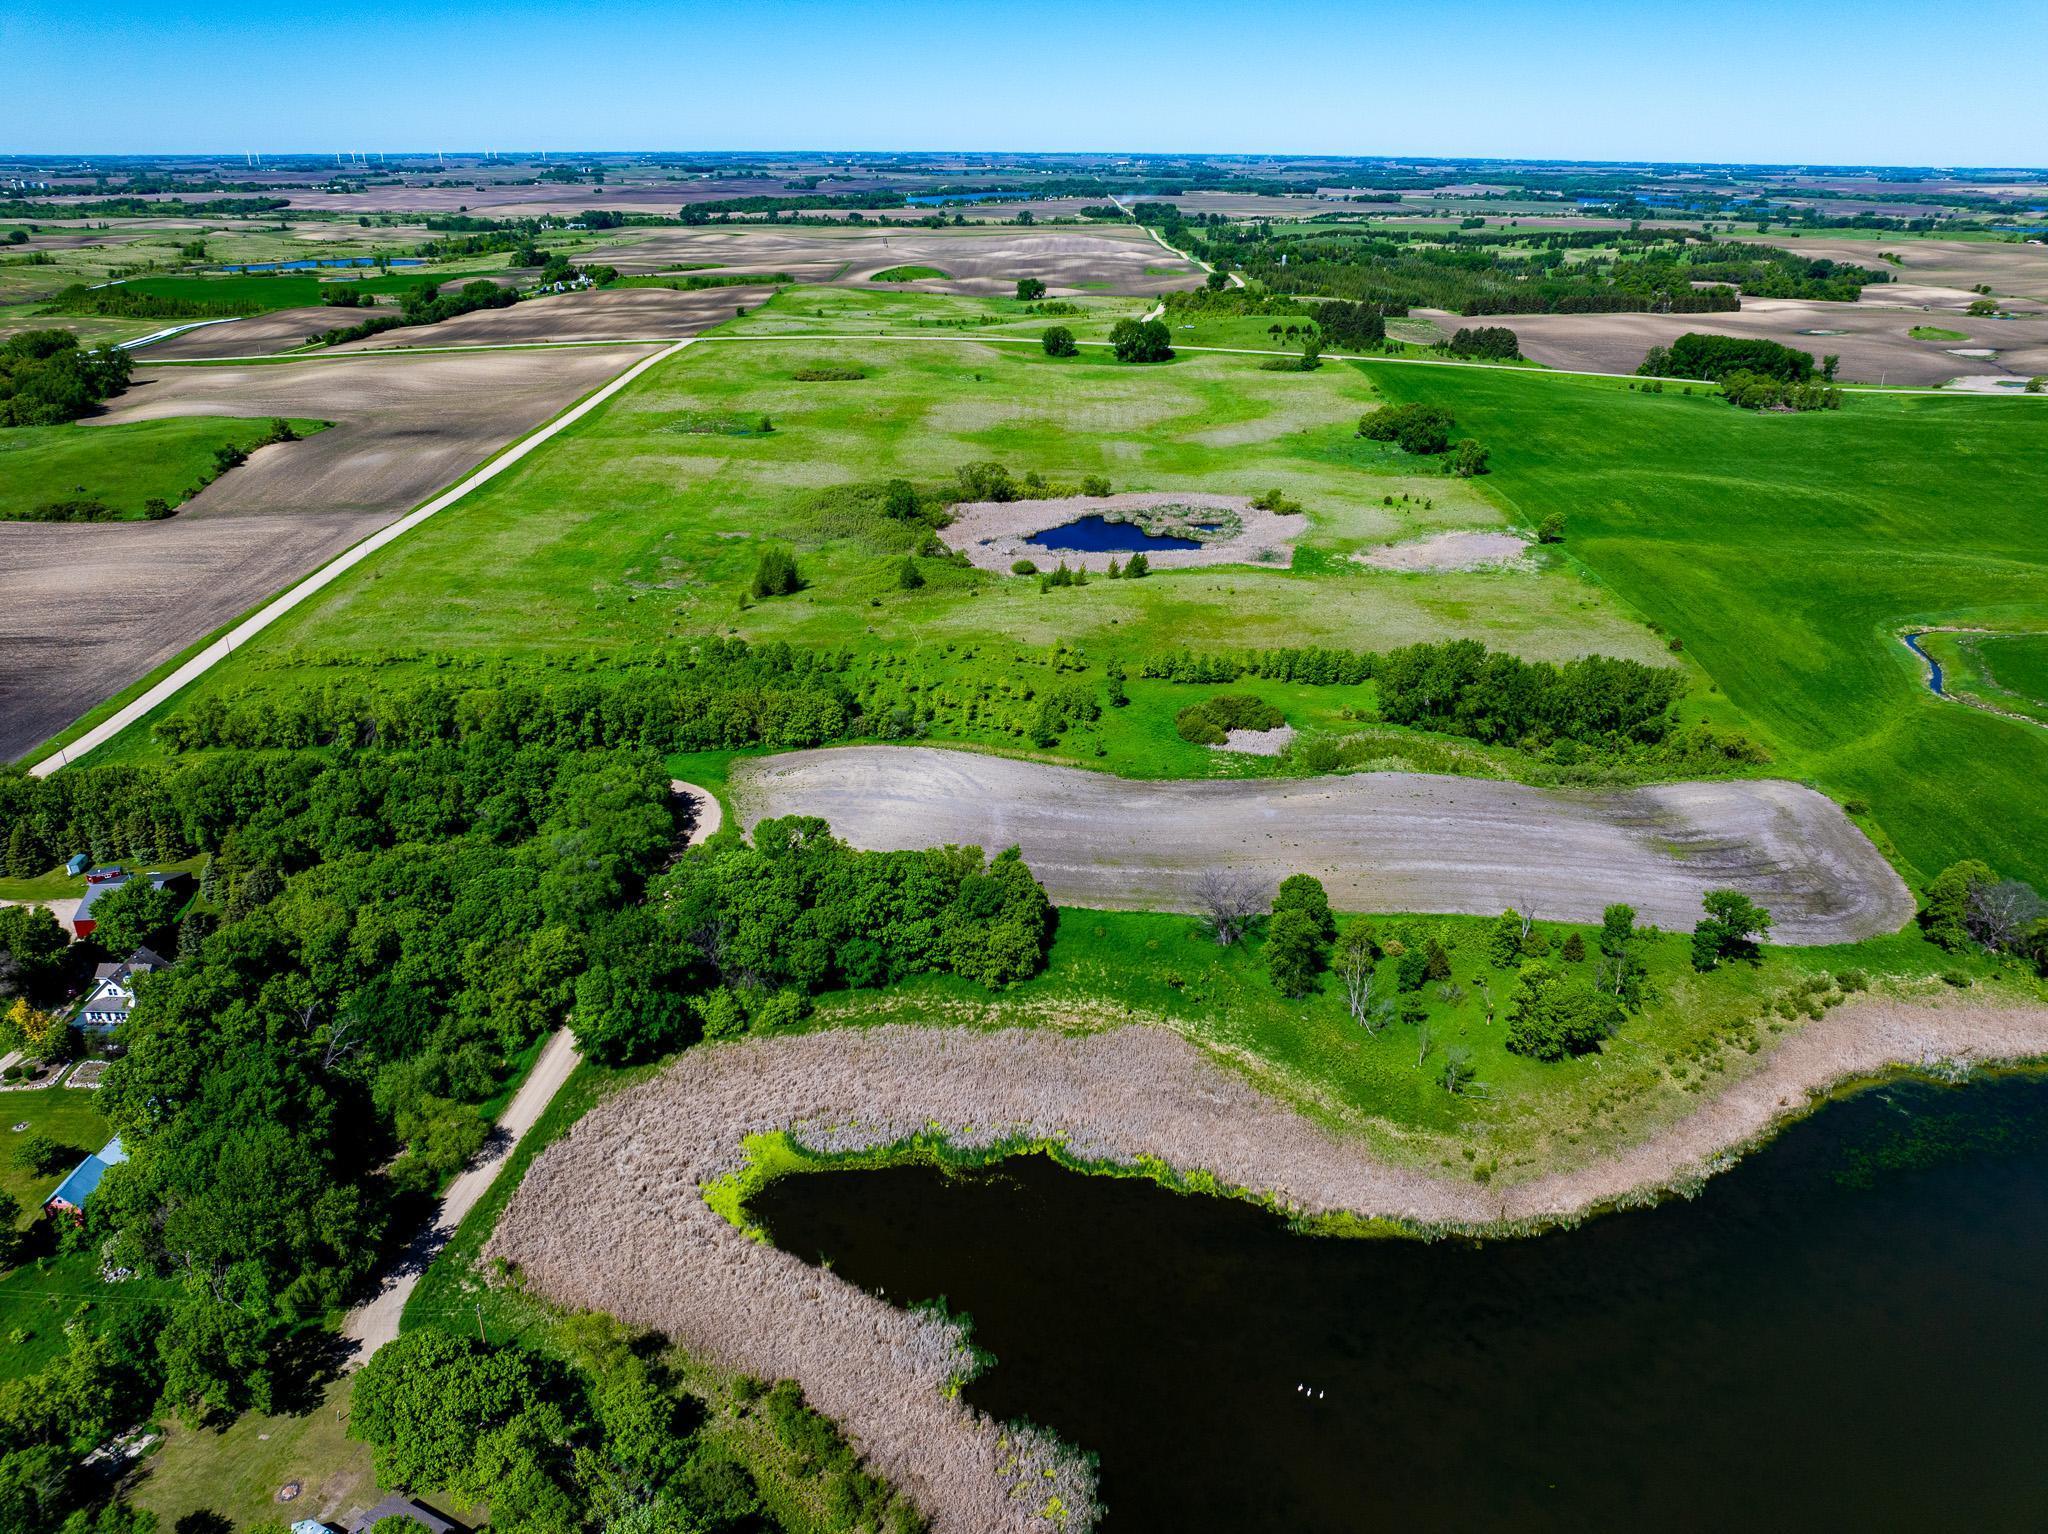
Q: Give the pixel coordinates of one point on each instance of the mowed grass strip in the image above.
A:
(122, 466)
(1786, 551)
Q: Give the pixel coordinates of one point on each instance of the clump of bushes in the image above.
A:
(1278, 502)
(1714, 358)
(1419, 429)
(1058, 341)
(47, 378)
(1757, 391)
(1141, 341)
(828, 372)
(1210, 722)
(776, 574)
(1494, 343)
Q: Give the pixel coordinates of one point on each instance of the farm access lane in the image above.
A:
(375, 1322)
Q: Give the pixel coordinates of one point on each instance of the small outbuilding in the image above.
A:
(75, 1189)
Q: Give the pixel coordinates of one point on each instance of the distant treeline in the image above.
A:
(1507, 272)
(138, 207)
(124, 303)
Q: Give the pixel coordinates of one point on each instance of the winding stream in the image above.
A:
(1846, 1331)
(1933, 666)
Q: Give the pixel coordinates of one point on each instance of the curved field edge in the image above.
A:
(639, 1210)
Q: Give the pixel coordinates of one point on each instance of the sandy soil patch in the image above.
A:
(1380, 841)
(604, 314)
(1450, 551)
(1874, 343)
(613, 1216)
(702, 814)
(995, 534)
(1273, 742)
(86, 609)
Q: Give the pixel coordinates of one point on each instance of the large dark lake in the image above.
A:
(1848, 1331)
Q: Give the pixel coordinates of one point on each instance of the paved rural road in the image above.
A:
(271, 611)
(375, 1323)
(1380, 841)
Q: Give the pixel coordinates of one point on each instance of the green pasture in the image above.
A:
(633, 528)
(1786, 552)
(859, 311)
(910, 274)
(257, 292)
(123, 465)
(2006, 672)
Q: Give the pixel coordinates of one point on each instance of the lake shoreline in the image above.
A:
(656, 1179)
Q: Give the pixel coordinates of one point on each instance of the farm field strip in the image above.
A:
(1379, 841)
(222, 648)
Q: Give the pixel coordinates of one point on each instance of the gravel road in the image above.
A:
(1379, 841)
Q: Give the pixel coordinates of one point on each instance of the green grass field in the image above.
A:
(1936, 333)
(910, 274)
(69, 1116)
(122, 466)
(2005, 672)
(633, 528)
(257, 292)
(1786, 552)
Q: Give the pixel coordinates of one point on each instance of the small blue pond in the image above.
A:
(307, 266)
(1095, 535)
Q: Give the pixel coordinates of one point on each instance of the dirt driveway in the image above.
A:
(85, 609)
(1379, 841)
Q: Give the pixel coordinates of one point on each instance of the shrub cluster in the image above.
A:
(1419, 429)
(1462, 688)
(1489, 342)
(1210, 722)
(1713, 358)
(47, 378)
(1758, 391)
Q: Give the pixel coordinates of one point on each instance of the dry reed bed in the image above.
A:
(613, 1217)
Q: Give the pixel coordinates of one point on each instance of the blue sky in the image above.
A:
(1845, 81)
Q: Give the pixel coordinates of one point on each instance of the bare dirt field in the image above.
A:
(1379, 841)
(258, 335)
(1450, 551)
(2018, 270)
(613, 1217)
(86, 609)
(983, 260)
(994, 534)
(604, 314)
(1874, 342)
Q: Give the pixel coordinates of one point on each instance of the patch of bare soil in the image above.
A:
(1231, 531)
(978, 260)
(613, 1217)
(1873, 342)
(2020, 270)
(600, 314)
(1450, 551)
(87, 608)
(258, 335)
(1273, 742)
(1380, 841)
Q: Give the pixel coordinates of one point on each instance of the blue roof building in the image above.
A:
(74, 1190)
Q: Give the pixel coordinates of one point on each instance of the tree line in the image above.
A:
(47, 378)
